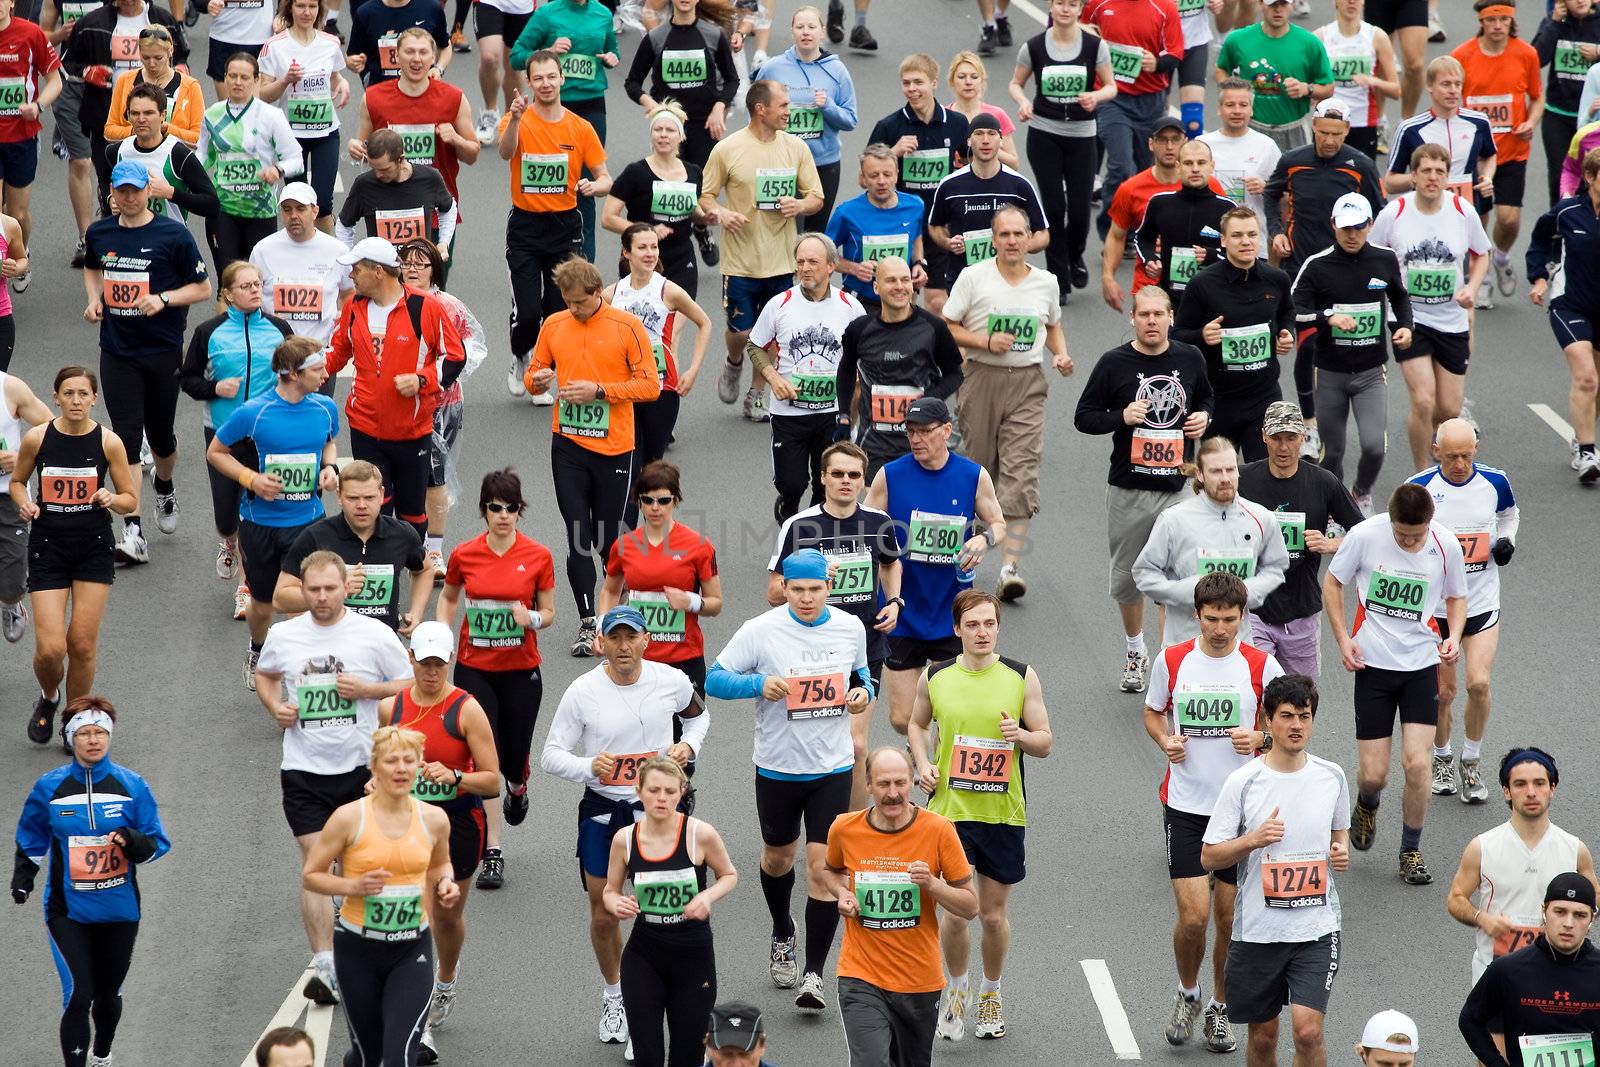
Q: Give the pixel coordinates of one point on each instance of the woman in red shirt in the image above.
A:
(508, 581)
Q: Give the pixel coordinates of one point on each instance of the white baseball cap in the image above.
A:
(377, 250)
(298, 192)
(1351, 209)
(1390, 1030)
(433, 640)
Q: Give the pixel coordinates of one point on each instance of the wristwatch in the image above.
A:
(166, 299)
(988, 535)
(599, 392)
(458, 779)
(898, 601)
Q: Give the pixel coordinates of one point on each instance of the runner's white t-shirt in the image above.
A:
(1399, 592)
(810, 337)
(1432, 250)
(1254, 155)
(319, 62)
(984, 302)
(597, 715)
(1479, 511)
(302, 281)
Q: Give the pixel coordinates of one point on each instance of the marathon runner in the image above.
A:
(1389, 1031)
(669, 971)
(1205, 695)
(302, 280)
(1364, 75)
(892, 356)
(1545, 996)
(612, 721)
(183, 98)
(881, 223)
(497, 24)
(139, 294)
(20, 411)
(375, 37)
(1287, 68)
(26, 54)
(1283, 821)
(1404, 566)
(795, 347)
(1242, 158)
(1466, 136)
(1503, 872)
(176, 174)
(822, 102)
(990, 713)
(84, 476)
(393, 855)
(1312, 509)
(689, 59)
(508, 581)
(1127, 208)
(1214, 531)
(95, 845)
(1152, 397)
(943, 544)
(863, 548)
(1180, 230)
(806, 667)
(894, 868)
(1239, 311)
(320, 676)
(962, 211)
(398, 200)
(1444, 257)
(1475, 502)
(662, 191)
(1568, 42)
(302, 70)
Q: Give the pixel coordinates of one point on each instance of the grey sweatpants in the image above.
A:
(886, 1029)
(1368, 394)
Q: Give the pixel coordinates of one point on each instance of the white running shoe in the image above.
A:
(323, 986)
(991, 1023)
(241, 601)
(1588, 468)
(1311, 447)
(613, 1020)
(627, 1053)
(1505, 278)
(225, 561)
(810, 996)
(1300, 9)
(546, 399)
(952, 1014)
(436, 563)
(728, 381)
(1011, 586)
(19, 284)
(1133, 672)
(133, 548)
(514, 384)
(14, 619)
(100, 1061)
(167, 511)
(488, 123)
(785, 965)
(146, 458)
(444, 999)
(427, 1051)
(251, 658)
(1577, 461)
(1484, 300)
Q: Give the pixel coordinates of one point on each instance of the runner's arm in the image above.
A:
(1483, 1005)
(1150, 570)
(560, 753)
(1333, 607)
(641, 384)
(1544, 248)
(715, 854)
(447, 224)
(917, 727)
(316, 876)
(958, 897)
(421, 589)
(484, 778)
(987, 506)
(466, 137)
(1036, 739)
(1586, 863)
(1271, 567)
(678, 298)
(22, 469)
(947, 354)
(1464, 884)
(125, 499)
(449, 598)
(725, 684)
(1096, 412)
(200, 198)
(696, 719)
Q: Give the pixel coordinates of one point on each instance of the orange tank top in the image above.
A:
(400, 912)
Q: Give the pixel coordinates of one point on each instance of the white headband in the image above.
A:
(87, 717)
(675, 120)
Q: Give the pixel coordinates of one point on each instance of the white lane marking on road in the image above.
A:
(319, 1024)
(1104, 989)
(1551, 419)
(338, 182)
(319, 1020)
(1029, 10)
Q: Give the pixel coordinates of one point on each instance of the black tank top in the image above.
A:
(71, 470)
(1067, 80)
(663, 887)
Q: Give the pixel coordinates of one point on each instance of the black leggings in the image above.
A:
(141, 396)
(653, 423)
(405, 466)
(1556, 133)
(1064, 168)
(829, 173)
(385, 987)
(671, 979)
(510, 700)
(463, 8)
(231, 238)
(798, 442)
(225, 493)
(92, 959)
(8, 340)
(321, 156)
(536, 242)
(592, 492)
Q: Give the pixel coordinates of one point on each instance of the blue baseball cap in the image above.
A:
(622, 615)
(129, 173)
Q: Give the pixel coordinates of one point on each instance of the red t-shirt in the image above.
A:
(1153, 25)
(490, 639)
(685, 561)
(1127, 210)
(24, 54)
(389, 108)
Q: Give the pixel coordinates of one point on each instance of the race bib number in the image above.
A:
(125, 50)
(882, 247)
(773, 183)
(888, 404)
(1063, 83)
(543, 173)
(815, 392)
(492, 624)
(888, 900)
(122, 291)
(1297, 880)
(813, 695)
(320, 702)
(1462, 188)
(1556, 1050)
(1126, 62)
(1023, 326)
(64, 489)
(1156, 451)
(13, 94)
(1293, 526)
(585, 418)
(1431, 283)
(1182, 266)
(805, 121)
(935, 538)
(1519, 936)
(1568, 60)
(925, 168)
(663, 621)
(94, 862)
(1345, 68)
(389, 53)
(395, 912)
(429, 791)
(665, 893)
(1224, 561)
(238, 172)
(672, 201)
(625, 769)
(417, 141)
(1369, 318)
(1475, 544)
(1397, 594)
(71, 12)
(310, 114)
(399, 225)
(852, 577)
(377, 586)
(1246, 347)
(683, 69)
(1496, 108)
(659, 352)
(980, 764)
(977, 246)
(297, 301)
(1190, 7)
(1206, 710)
(296, 470)
(577, 67)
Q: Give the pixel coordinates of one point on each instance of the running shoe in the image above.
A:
(810, 996)
(1078, 273)
(100, 1061)
(991, 1024)
(427, 1052)
(514, 384)
(546, 399)
(1483, 300)
(785, 968)
(1588, 468)
(492, 875)
(1577, 458)
(225, 561)
(758, 59)
(147, 460)
(167, 511)
(132, 548)
(1435, 29)
(583, 644)
(1133, 672)
(1363, 826)
(1383, 135)
(488, 123)
(323, 985)
(1181, 1023)
(988, 41)
(436, 563)
(1011, 586)
(458, 41)
(952, 1014)
(755, 405)
(1444, 776)
(710, 255)
(728, 382)
(1311, 447)
(1473, 791)
(1218, 1029)
(1300, 9)
(1363, 504)
(1413, 871)
(861, 40)
(627, 1053)
(444, 999)
(515, 806)
(19, 284)
(78, 254)
(1505, 277)
(836, 21)
(14, 618)
(241, 602)
(1002, 31)
(44, 713)
(251, 658)
(613, 1020)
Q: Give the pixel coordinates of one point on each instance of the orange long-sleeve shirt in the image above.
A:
(610, 348)
(186, 108)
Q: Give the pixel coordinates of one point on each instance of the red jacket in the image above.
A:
(375, 406)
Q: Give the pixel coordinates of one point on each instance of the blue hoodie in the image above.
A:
(827, 73)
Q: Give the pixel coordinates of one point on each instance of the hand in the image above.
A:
(1061, 362)
(357, 148)
(1269, 832)
(1502, 550)
(686, 380)
(717, 123)
(1295, 89)
(408, 625)
(1211, 333)
(1320, 543)
(328, 479)
(1006, 341)
(341, 92)
(270, 175)
(519, 104)
(819, 98)
(8, 461)
(96, 311)
(1535, 294)
(1484, 185)
(159, 187)
(438, 772)
(609, 59)
(848, 907)
(1339, 856)
(972, 552)
(1195, 425)
(369, 884)
(28, 111)
(1010, 731)
(856, 700)
(624, 906)
(1523, 131)
(214, 8)
(579, 390)
(698, 908)
(447, 892)
(266, 486)
(732, 221)
(774, 688)
(101, 498)
(542, 379)
(354, 578)
(350, 687)
(905, 145)
(928, 778)
(663, 231)
(862, 272)
(1135, 412)
(98, 76)
(919, 276)
(1589, 52)
(1200, 253)
(1402, 337)
(28, 510)
(1176, 748)
(286, 714)
(1148, 63)
(294, 73)
(1025, 113)
(1245, 742)
(407, 385)
(561, 46)
(1285, 343)
(958, 244)
(1342, 322)
(887, 619)
(1254, 186)
(736, 41)
(677, 599)
(585, 187)
(1350, 655)
(681, 753)
(921, 874)
(1152, 268)
(1493, 924)
(782, 388)
(1088, 101)
(118, 838)
(521, 615)
(1464, 297)
(1111, 293)
(603, 765)
(1281, 246)
(1449, 650)
(788, 206)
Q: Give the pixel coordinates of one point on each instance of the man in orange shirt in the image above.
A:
(892, 865)
(548, 147)
(600, 361)
(1503, 83)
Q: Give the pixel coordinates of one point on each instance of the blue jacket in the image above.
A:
(1569, 233)
(66, 816)
(828, 74)
(232, 345)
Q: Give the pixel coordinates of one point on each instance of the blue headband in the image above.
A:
(807, 563)
(1527, 755)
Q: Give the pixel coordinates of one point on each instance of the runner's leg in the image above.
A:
(1581, 397)
(50, 639)
(1479, 651)
(111, 946)
(83, 636)
(1422, 385)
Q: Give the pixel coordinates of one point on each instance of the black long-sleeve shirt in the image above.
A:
(1556, 43)
(1176, 221)
(1175, 385)
(1534, 990)
(895, 360)
(1304, 186)
(1366, 286)
(1251, 300)
(698, 81)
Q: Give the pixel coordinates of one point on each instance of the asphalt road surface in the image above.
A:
(1090, 975)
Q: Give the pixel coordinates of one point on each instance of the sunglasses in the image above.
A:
(660, 501)
(154, 33)
(853, 476)
(497, 508)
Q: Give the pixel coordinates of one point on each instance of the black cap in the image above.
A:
(735, 1023)
(928, 410)
(984, 121)
(1167, 122)
(1571, 886)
